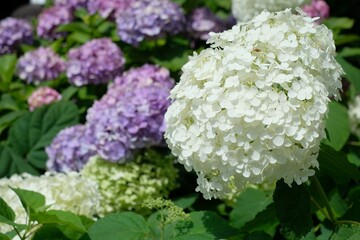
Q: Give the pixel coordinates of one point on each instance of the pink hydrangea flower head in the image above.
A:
(43, 96)
(317, 8)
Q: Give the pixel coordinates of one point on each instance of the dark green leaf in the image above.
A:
(186, 201)
(352, 73)
(337, 125)
(353, 213)
(248, 204)
(347, 232)
(293, 210)
(7, 102)
(6, 211)
(7, 119)
(124, 226)
(349, 52)
(74, 27)
(345, 39)
(49, 232)
(4, 237)
(335, 165)
(258, 236)
(30, 200)
(208, 225)
(339, 23)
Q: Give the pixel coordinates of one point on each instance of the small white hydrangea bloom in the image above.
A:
(244, 10)
(68, 192)
(354, 115)
(250, 109)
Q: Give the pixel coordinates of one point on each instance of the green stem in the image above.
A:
(348, 222)
(314, 180)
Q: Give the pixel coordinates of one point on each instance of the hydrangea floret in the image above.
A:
(68, 192)
(72, 4)
(124, 187)
(244, 10)
(40, 65)
(317, 8)
(250, 109)
(108, 8)
(50, 19)
(131, 114)
(201, 21)
(149, 20)
(70, 149)
(13, 33)
(43, 96)
(95, 62)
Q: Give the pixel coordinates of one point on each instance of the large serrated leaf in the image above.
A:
(337, 126)
(31, 133)
(248, 204)
(293, 210)
(208, 225)
(125, 226)
(348, 232)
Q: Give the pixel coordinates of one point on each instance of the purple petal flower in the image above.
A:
(13, 33)
(43, 96)
(40, 65)
(71, 4)
(149, 19)
(317, 8)
(201, 21)
(95, 62)
(70, 149)
(108, 8)
(51, 18)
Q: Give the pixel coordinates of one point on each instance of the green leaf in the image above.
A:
(31, 133)
(354, 159)
(68, 92)
(337, 126)
(186, 201)
(7, 67)
(335, 165)
(7, 119)
(338, 204)
(353, 213)
(339, 22)
(4, 237)
(74, 27)
(6, 211)
(78, 37)
(352, 73)
(7, 102)
(124, 226)
(248, 204)
(348, 232)
(30, 200)
(208, 225)
(293, 210)
(258, 236)
(349, 52)
(49, 232)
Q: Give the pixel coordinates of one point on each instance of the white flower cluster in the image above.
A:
(354, 115)
(251, 108)
(244, 10)
(68, 192)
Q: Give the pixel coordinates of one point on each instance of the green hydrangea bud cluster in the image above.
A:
(124, 187)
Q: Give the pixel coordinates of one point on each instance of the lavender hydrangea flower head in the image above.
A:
(317, 8)
(70, 149)
(51, 18)
(14, 32)
(71, 4)
(40, 65)
(201, 21)
(97, 61)
(131, 114)
(108, 8)
(149, 19)
(43, 96)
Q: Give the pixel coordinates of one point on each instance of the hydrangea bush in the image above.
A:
(180, 119)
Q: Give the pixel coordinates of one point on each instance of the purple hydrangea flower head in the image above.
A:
(97, 61)
(50, 19)
(43, 96)
(147, 74)
(149, 19)
(40, 65)
(131, 114)
(13, 33)
(108, 8)
(72, 4)
(201, 21)
(317, 8)
(70, 149)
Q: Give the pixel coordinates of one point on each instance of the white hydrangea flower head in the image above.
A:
(354, 115)
(124, 187)
(250, 109)
(244, 10)
(68, 192)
